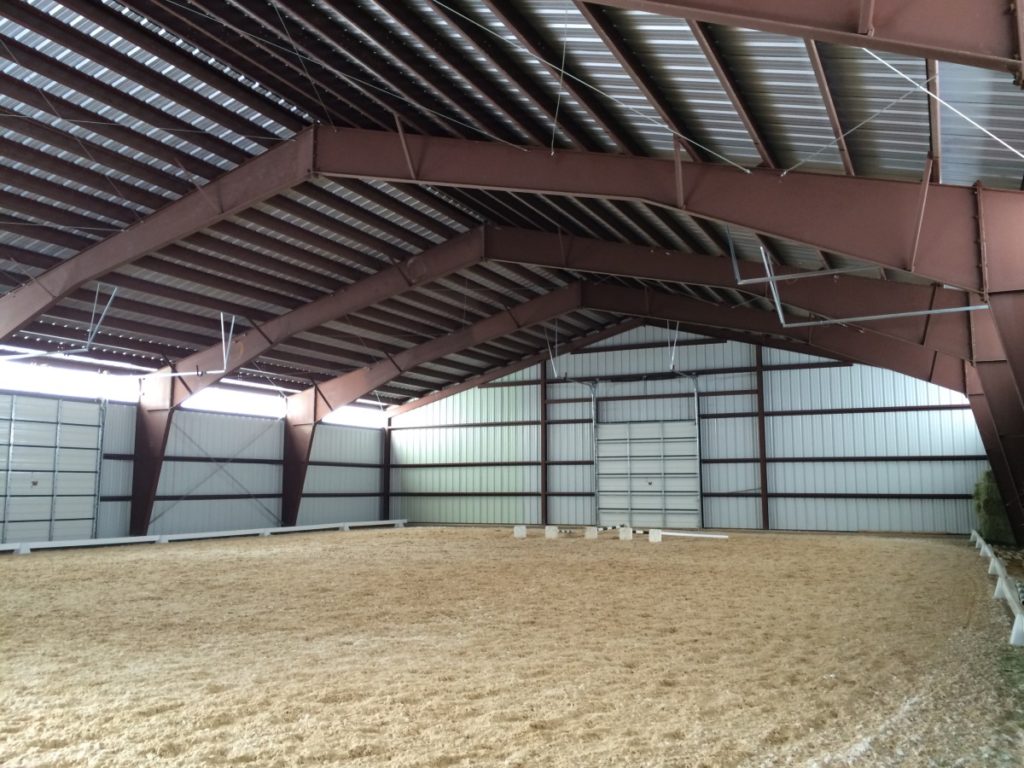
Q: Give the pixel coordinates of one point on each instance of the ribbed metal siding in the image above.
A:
(915, 433)
(198, 433)
(194, 516)
(477, 406)
(464, 445)
(910, 515)
(857, 386)
(346, 444)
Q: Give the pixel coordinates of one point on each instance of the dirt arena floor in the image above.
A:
(465, 647)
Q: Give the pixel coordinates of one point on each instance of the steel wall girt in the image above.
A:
(280, 168)
(308, 408)
(873, 220)
(979, 33)
(834, 296)
(851, 343)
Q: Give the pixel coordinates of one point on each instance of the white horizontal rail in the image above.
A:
(695, 535)
(24, 548)
(1006, 588)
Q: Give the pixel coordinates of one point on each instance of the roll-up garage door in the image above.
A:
(648, 474)
(49, 468)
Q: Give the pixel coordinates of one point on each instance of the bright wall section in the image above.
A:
(846, 447)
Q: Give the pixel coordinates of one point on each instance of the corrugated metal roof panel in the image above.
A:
(893, 136)
(673, 56)
(992, 100)
(777, 82)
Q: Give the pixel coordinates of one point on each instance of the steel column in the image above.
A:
(543, 443)
(385, 472)
(762, 442)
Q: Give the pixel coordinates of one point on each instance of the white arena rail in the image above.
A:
(24, 548)
(1006, 588)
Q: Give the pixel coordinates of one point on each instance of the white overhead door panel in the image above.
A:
(49, 469)
(648, 474)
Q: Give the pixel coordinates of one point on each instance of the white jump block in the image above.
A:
(974, 536)
(23, 549)
(625, 533)
(344, 528)
(590, 532)
(550, 531)
(519, 531)
(1017, 633)
(264, 533)
(996, 567)
(654, 536)
(162, 540)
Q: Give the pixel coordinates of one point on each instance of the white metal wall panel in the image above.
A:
(116, 478)
(910, 515)
(571, 478)
(80, 412)
(906, 433)
(475, 406)
(895, 477)
(732, 513)
(199, 478)
(728, 438)
(332, 442)
(527, 374)
(857, 386)
(465, 444)
(351, 509)
(112, 518)
(466, 480)
(119, 429)
(195, 516)
(323, 479)
(731, 478)
(772, 356)
(570, 442)
(505, 510)
(571, 510)
(199, 433)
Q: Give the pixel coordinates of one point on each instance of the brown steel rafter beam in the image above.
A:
(835, 296)
(308, 408)
(978, 33)
(280, 168)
